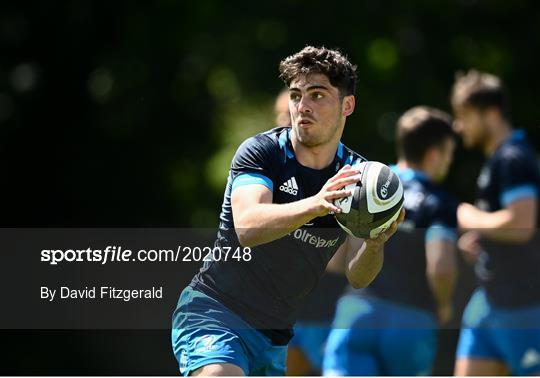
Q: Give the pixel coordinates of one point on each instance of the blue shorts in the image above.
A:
(375, 337)
(510, 336)
(206, 332)
(310, 338)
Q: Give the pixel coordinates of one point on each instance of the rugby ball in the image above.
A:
(375, 202)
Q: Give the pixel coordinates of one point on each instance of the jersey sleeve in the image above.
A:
(252, 164)
(443, 221)
(516, 175)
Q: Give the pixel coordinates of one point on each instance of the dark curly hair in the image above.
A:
(320, 60)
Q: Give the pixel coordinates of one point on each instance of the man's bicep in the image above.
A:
(246, 196)
(523, 211)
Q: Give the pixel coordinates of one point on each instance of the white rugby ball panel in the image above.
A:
(391, 189)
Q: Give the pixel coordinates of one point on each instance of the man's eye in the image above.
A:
(317, 96)
(295, 97)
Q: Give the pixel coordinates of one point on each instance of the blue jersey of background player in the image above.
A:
(235, 317)
(389, 328)
(501, 324)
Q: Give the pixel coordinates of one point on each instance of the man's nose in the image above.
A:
(304, 105)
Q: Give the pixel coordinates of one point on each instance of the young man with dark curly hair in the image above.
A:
(236, 317)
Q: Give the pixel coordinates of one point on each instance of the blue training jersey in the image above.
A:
(268, 290)
(509, 272)
(430, 215)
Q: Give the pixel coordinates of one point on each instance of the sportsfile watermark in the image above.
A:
(100, 292)
(102, 278)
(132, 278)
(119, 254)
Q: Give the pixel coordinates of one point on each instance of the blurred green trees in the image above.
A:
(128, 113)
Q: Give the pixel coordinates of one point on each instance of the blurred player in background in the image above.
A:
(281, 109)
(236, 316)
(390, 327)
(501, 324)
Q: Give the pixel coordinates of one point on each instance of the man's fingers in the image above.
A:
(344, 181)
(391, 230)
(387, 234)
(381, 238)
(344, 175)
(344, 172)
(332, 208)
(333, 195)
(338, 194)
(401, 216)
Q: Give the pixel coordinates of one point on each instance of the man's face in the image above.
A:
(470, 123)
(445, 157)
(317, 111)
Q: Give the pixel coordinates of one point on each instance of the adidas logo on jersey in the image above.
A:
(530, 358)
(289, 186)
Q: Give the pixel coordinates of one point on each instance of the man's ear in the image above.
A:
(347, 107)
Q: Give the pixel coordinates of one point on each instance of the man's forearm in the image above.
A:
(264, 223)
(497, 226)
(365, 257)
(365, 265)
(515, 223)
(257, 220)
